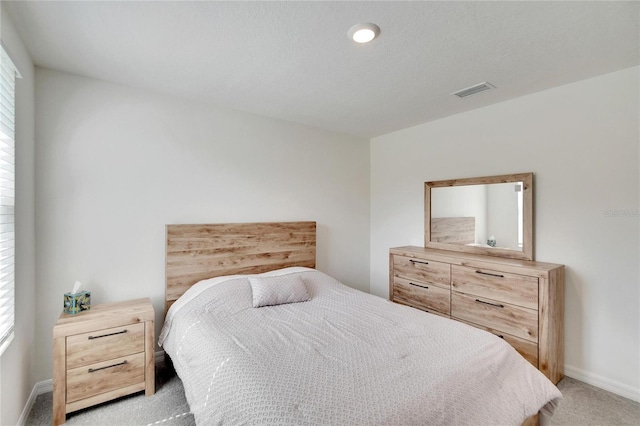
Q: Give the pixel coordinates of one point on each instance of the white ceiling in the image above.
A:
(293, 61)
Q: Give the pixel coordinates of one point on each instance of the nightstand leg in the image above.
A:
(59, 381)
(150, 362)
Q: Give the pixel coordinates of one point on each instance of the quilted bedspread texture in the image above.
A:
(342, 358)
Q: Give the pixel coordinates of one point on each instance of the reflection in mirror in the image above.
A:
(478, 215)
(486, 215)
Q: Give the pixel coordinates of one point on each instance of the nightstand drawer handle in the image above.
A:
(493, 275)
(417, 261)
(418, 285)
(93, 370)
(492, 304)
(105, 335)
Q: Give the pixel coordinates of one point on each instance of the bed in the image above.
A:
(341, 357)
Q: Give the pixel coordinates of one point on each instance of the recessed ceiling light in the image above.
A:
(364, 33)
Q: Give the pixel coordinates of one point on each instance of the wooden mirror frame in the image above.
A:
(527, 211)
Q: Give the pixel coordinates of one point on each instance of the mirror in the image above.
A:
(488, 215)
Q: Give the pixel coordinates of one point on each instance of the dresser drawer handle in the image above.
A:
(493, 275)
(418, 285)
(492, 304)
(417, 261)
(105, 335)
(93, 370)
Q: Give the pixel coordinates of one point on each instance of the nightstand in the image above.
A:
(101, 354)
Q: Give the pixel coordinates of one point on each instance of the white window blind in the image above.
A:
(7, 199)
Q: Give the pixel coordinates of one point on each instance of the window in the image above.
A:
(7, 199)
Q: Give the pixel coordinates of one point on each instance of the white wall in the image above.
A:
(502, 216)
(16, 365)
(581, 141)
(115, 164)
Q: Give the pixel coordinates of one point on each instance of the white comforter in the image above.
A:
(343, 358)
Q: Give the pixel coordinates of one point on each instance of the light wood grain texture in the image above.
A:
(106, 315)
(197, 252)
(496, 314)
(551, 313)
(535, 330)
(527, 246)
(422, 296)
(74, 386)
(59, 380)
(391, 275)
(150, 364)
(514, 266)
(532, 421)
(104, 397)
(440, 314)
(87, 381)
(529, 350)
(88, 348)
(459, 230)
(515, 289)
(432, 272)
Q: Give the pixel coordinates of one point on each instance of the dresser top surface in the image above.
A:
(462, 258)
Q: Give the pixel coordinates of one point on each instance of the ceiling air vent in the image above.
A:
(476, 88)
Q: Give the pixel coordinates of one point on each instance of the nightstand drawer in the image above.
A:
(106, 344)
(499, 316)
(422, 296)
(101, 354)
(426, 271)
(89, 380)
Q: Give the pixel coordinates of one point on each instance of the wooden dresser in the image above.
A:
(519, 300)
(101, 354)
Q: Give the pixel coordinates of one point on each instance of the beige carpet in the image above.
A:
(587, 405)
(582, 405)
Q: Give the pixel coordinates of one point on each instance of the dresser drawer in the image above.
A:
(106, 344)
(528, 350)
(514, 289)
(503, 317)
(425, 271)
(440, 314)
(422, 296)
(94, 379)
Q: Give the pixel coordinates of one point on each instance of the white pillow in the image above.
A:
(269, 291)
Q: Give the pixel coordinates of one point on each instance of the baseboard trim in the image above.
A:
(603, 383)
(38, 389)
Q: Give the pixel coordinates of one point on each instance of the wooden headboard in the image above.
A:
(461, 230)
(198, 252)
